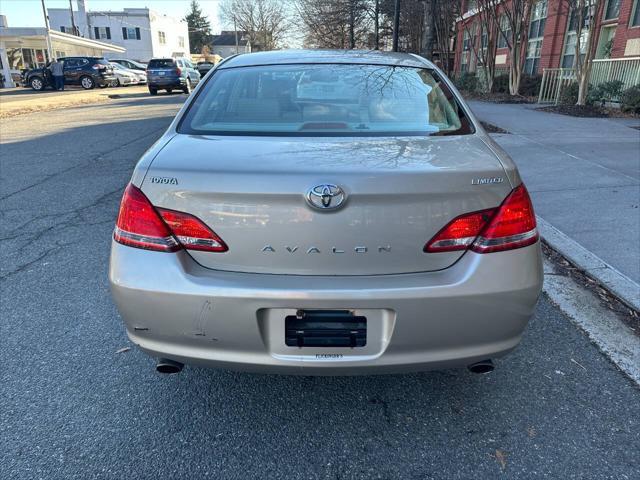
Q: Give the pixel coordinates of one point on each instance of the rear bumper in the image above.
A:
(476, 309)
(166, 82)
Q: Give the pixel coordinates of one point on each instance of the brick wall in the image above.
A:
(626, 41)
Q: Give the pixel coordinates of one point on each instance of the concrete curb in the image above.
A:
(625, 289)
(602, 326)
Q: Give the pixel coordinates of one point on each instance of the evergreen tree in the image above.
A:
(199, 28)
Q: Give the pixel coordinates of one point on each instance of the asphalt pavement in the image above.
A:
(75, 408)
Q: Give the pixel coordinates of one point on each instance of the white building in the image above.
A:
(26, 48)
(142, 32)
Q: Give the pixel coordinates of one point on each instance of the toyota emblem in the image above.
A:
(326, 197)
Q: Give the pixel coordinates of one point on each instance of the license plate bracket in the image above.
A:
(325, 328)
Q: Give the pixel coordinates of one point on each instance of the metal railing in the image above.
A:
(553, 81)
(626, 70)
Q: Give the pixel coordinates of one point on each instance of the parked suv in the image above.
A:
(84, 71)
(171, 74)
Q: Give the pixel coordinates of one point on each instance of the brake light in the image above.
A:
(99, 66)
(141, 225)
(512, 225)
(178, 71)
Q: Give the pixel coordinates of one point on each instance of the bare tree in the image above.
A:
(485, 46)
(516, 13)
(337, 23)
(445, 13)
(265, 21)
(583, 16)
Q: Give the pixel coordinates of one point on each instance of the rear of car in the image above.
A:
(326, 213)
(171, 74)
(94, 71)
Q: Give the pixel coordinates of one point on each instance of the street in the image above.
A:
(77, 404)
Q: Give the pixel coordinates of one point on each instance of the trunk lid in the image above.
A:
(399, 192)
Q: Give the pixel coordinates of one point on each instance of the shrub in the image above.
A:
(630, 99)
(605, 92)
(529, 85)
(467, 82)
(569, 94)
(501, 83)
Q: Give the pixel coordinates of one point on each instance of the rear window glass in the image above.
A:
(101, 61)
(168, 63)
(325, 99)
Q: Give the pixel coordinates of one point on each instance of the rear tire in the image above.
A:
(187, 87)
(87, 82)
(153, 91)
(36, 83)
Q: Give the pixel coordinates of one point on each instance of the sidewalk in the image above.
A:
(583, 175)
(22, 100)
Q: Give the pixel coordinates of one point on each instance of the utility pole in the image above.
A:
(396, 25)
(73, 22)
(48, 31)
(376, 14)
(235, 29)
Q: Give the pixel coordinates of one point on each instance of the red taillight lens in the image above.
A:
(178, 71)
(141, 225)
(512, 225)
(460, 233)
(192, 233)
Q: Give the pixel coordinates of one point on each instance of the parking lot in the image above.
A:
(79, 401)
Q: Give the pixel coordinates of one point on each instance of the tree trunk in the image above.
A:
(428, 30)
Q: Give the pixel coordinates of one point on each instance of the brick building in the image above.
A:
(551, 40)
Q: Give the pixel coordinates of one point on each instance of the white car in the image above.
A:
(124, 76)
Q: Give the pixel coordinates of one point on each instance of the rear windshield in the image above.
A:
(101, 61)
(164, 63)
(325, 100)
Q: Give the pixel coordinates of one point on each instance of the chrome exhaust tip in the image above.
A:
(482, 367)
(166, 366)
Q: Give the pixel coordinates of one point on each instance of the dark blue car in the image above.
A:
(171, 74)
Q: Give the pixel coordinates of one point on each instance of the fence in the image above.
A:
(626, 70)
(553, 81)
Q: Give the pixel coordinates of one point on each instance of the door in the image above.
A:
(70, 69)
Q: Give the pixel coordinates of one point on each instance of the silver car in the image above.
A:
(325, 213)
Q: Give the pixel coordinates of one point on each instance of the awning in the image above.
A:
(40, 33)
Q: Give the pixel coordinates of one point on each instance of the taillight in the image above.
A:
(141, 225)
(191, 232)
(99, 66)
(460, 232)
(512, 225)
(178, 71)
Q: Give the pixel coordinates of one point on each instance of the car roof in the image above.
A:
(367, 57)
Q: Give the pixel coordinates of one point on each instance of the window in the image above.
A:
(130, 33)
(466, 48)
(63, 29)
(162, 38)
(102, 33)
(60, 54)
(612, 10)
(536, 34)
(635, 15)
(181, 42)
(337, 100)
(505, 27)
(568, 56)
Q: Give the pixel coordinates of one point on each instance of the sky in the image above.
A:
(28, 13)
